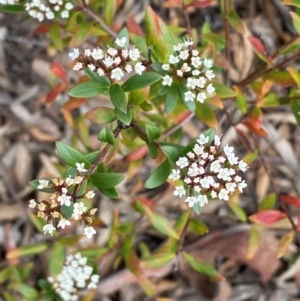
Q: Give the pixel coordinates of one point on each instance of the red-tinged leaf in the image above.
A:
(202, 3)
(133, 26)
(101, 115)
(281, 78)
(52, 95)
(241, 100)
(254, 242)
(59, 71)
(221, 62)
(236, 22)
(215, 101)
(251, 128)
(284, 243)
(298, 223)
(295, 75)
(291, 2)
(147, 202)
(137, 154)
(290, 200)
(173, 3)
(259, 49)
(55, 35)
(157, 260)
(42, 29)
(256, 122)
(267, 217)
(73, 103)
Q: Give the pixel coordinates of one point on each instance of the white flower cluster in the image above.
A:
(114, 63)
(51, 209)
(186, 64)
(208, 171)
(75, 275)
(40, 10)
(9, 2)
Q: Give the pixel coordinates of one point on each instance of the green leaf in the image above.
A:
(26, 291)
(236, 22)
(27, 250)
(57, 259)
(197, 208)
(238, 211)
(181, 223)
(241, 100)
(118, 97)
(124, 117)
(203, 268)
(153, 132)
(5, 274)
(106, 180)
(171, 150)
(55, 36)
(7, 296)
(145, 106)
(296, 21)
(160, 223)
(67, 210)
(70, 155)
(291, 2)
(101, 115)
(91, 157)
(271, 100)
(296, 110)
(159, 175)
(157, 260)
(35, 183)
(141, 81)
(110, 7)
(206, 114)
(129, 134)
(12, 9)
(268, 202)
(123, 34)
(254, 241)
(223, 91)
(295, 74)
(136, 97)
(110, 193)
(152, 150)
(292, 47)
(88, 89)
(106, 135)
(171, 99)
(95, 77)
(158, 36)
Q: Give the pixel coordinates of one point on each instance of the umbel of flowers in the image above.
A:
(76, 275)
(208, 171)
(65, 196)
(185, 65)
(113, 62)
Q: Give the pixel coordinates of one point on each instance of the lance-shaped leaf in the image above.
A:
(157, 260)
(268, 202)
(106, 180)
(267, 217)
(291, 2)
(241, 100)
(124, 117)
(106, 135)
(290, 200)
(110, 193)
(284, 243)
(141, 81)
(171, 99)
(159, 175)
(118, 97)
(254, 242)
(236, 22)
(153, 132)
(238, 211)
(88, 89)
(259, 49)
(223, 91)
(171, 150)
(55, 35)
(12, 8)
(201, 267)
(101, 115)
(295, 74)
(160, 223)
(70, 155)
(95, 77)
(27, 250)
(206, 114)
(296, 21)
(295, 105)
(158, 36)
(57, 259)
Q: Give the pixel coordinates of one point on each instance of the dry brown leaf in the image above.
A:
(23, 165)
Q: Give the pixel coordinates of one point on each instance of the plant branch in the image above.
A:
(227, 39)
(187, 20)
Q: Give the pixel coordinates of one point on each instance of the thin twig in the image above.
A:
(227, 40)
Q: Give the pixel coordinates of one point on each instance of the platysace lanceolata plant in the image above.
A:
(75, 276)
(208, 171)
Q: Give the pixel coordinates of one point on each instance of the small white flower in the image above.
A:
(80, 167)
(202, 139)
(202, 199)
(208, 63)
(201, 97)
(198, 149)
(65, 14)
(175, 175)
(95, 278)
(87, 52)
(128, 68)
(75, 54)
(78, 179)
(184, 54)
(89, 232)
(217, 140)
(185, 68)
(43, 184)
(62, 223)
(139, 68)
(64, 200)
(112, 51)
(182, 162)
(50, 15)
(243, 166)
(125, 53)
(191, 201)
(180, 191)
(90, 194)
(191, 82)
(210, 74)
(196, 62)
(121, 42)
(196, 72)
(215, 166)
(165, 67)
(177, 47)
(117, 60)
(201, 81)
(233, 160)
(69, 181)
(210, 89)
(189, 96)
(241, 186)
(230, 186)
(173, 59)
(48, 228)
(97, 54)
(69, 6)
(188, 42)
(195, 52)
(108, 61)
(117, 73)
(224, 174)
(134, 54)
(167, 80)
(100, 71)
(179, 73)
(77, 66)
(32, 203)
(213, 194)
(223, 194)
(228, 150)
(91, 67)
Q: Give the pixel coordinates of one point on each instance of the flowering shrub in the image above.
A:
(153, 81)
